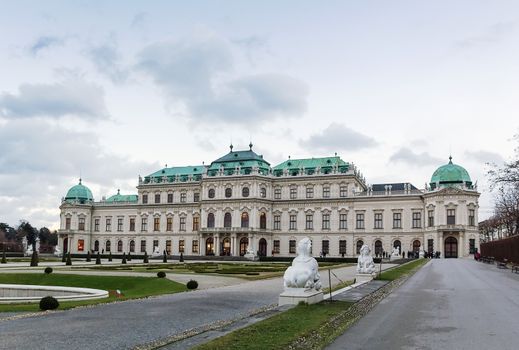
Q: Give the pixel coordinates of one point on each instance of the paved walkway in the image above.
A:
(448, 304)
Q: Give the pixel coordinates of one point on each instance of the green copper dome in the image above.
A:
(80, 193)
(450, 174)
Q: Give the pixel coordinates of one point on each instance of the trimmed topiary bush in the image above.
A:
(181, 258)
(48, 270)
(129, 256)
(69, 260)
(124, 259)
(165, 257)
(88, 258)
(161, 274)
(192, 284)
(48, 303)
(146, 259)
(110, 256)
(98, 259)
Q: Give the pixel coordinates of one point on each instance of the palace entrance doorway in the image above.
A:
(451, 247)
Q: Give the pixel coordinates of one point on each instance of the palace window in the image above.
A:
(67, 223)
(472, 217)
(210, 194)
(244, 219)
(245, 192)
(80, 245)
(292, 246)
(169, 224)
(325, 246)
(360, 221)
(194, 246)
(132, 224)
(276, 246)
(326, 192)
(309, 222)
(156, 224)
(182, 223)
(168, 247)
(119, 246)
(96, 246)
(119, 224)
(310, 192)
(196, 197)
(343, 221)
(343, 191)
(397, 220)
(81, 224)
(378, 220)
(451, 217)
(183, 197)
(342, 246)
(293, 222)
(170, 197)
(143, 246)
(293, 192)
(472, 246)
(326, 221)
(228, 192)
(263, 221)
(277, 222)
(430, 246)
(227, 220)
(96, 225)
(360, 243)
(157, 198)
(263, 192)
(144, 224)
(108, 224)
(210, 220)
(430, 218)
(108, 246)
(277, 193)
(155, 244)
(144, 199)
(196, 223)
(417, 220)
(132, 246)
(181, 246)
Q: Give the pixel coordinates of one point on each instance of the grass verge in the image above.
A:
(131, 287)
(394, 273)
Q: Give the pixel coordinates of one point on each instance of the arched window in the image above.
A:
(263, 221)
(226, 246)
(244, 219)
(378, 248)
(108, 246)
(227, 220)
(132, 246)
(209, 246)
(119, 246)
(244, 243)
(416, 246)
(96, 246)
(210, 220)
(263, 192)
(210, 194)
(359, 245)
(245, 192)
(228, 192)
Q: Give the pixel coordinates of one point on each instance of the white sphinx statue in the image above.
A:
(304, 270)
(156, 252)
(421, 253)
(365, 264)
(57, 251)
(395, 254)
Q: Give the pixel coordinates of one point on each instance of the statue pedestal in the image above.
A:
(293, 296)
(363, 277)
(395, 257)
(251, 256)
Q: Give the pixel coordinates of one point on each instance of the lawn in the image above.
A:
(280, 330)
(131, 287)
(401, 270)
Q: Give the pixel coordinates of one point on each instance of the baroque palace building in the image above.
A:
(239, 203)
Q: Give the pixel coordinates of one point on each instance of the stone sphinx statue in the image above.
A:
(156, 252)
(396, 251)
(304, 270)
(365, 262)
(57, 251)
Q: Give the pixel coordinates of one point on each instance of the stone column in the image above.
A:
(216, 245)
(461, 245)
(201, 245)
(441, 244)
(233, 244)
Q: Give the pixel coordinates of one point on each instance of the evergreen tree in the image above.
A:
(124, 259)
(110, 256)
(88, 258)
(129, 256)
(146, 260)
(34, 258)
(181, 258)
(4, 259)
(98, 259)
(69, 260)
(165, 258)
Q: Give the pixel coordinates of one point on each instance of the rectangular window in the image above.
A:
(196, 223)
(310, 192)
(342, 247)
(326, 192)
(67, 223)
(343, 191)
(81, 224)
(343, 221)
(143, 246)
(292, 246)
(417, 220)
(276, 247)
(430, 246)
(472, 246)
(397, 220)
(119, 224)
(157, 198)
(181, 246)
(194, 248)
(360, 221)
(309, 222)
(182, 224)
(168, 246)
(96, 225)
(132, 224)
(293, 222)
(169, 224)
(170, 197)
(144, 199)
(472, 218)
(196, 197)
(144, 224)
(80, 245)
(451, 217)
(277, 193)
(155, 244)
(277, 222)
(326, 246)
(156, 224)
(326, 221)
(378, 220)
(430, 218)
(183, 196)
(108, 224)
(293, 192)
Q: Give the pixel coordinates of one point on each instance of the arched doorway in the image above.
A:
(451, 247)
(378, 248)
(209, 246)
(416, 246)
(226, 246)
(65, 245)
(244, 243)
(263, 247)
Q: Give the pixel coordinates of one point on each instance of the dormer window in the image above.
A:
(210, 194)
(228, 192)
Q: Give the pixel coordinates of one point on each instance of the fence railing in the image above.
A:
(507, 248)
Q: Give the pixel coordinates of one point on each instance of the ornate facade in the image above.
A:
(239, 203)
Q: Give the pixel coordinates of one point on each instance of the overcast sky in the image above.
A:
(116, 89)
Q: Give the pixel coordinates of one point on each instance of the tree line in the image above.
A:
(12, 236)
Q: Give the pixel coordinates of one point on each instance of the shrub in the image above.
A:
(129, 256)
(98, 259)
(69, 261)
(161, 274)
(165, 258)
(145, 260)
(192, 284)
(124, 259)
(181, 258)
(88, 258)
(48, 270)
(48, 303)
(4, 260)
(110, 256)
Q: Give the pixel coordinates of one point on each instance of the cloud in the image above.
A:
(139, 20)
(106, 59)
(69, 98)
(45, 42)
(485, 157)
(338, 137)
(196, 73)
(492, 35)
(408, 156)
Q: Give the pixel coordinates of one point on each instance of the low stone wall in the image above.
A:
(23, 293)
